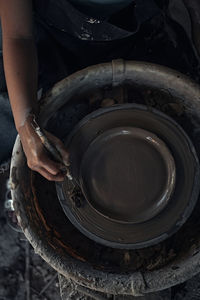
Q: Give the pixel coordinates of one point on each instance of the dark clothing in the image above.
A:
(63, 16)
(100, 8)
(78, 40)
(69, 40)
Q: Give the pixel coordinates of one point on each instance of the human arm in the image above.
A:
(20, 64)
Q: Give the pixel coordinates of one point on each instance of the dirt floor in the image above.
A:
(23, 274)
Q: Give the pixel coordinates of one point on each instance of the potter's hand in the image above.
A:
(37, 156)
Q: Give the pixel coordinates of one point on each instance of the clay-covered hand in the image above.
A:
(38, 159)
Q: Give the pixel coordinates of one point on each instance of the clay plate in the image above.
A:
(127, 174)
(135, 177)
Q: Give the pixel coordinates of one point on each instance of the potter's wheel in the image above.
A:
(133, 176)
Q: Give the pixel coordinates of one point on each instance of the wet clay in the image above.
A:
(110, 207)
(127, 174)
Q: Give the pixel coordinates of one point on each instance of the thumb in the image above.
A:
(60, 147)
(64, 153)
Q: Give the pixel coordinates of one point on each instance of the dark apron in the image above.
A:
(69, 40)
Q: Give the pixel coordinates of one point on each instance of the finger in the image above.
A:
(49, 176)
(60, 147)
(65, 154)
(50, 166)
